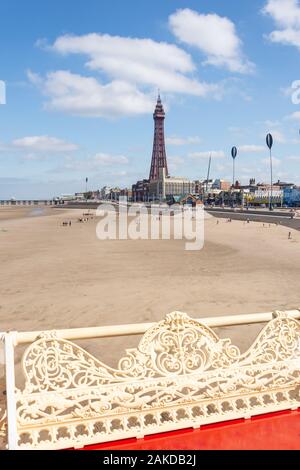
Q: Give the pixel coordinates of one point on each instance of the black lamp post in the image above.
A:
(269, 140)
(234, 155)
(86, 189)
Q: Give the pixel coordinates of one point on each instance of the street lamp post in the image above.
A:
(86, 189)
(269, 140)
(234, 155)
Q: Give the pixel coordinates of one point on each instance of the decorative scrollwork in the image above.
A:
(279, 341)
(176, 346)
(181, 372)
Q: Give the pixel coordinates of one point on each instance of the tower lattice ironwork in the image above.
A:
(159, 157)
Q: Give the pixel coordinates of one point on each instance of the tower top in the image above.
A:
(159, 110)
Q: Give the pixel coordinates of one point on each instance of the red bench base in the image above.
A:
(277, 431)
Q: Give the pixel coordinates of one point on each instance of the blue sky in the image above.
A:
(82, 79)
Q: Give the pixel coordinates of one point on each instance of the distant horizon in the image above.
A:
(80, 91)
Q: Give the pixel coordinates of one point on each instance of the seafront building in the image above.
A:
(292, 197)
(164, 186)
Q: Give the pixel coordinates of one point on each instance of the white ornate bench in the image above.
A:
(181, 375)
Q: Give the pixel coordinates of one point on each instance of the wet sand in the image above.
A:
(19, 212)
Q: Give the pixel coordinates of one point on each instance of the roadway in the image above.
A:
(263, 217)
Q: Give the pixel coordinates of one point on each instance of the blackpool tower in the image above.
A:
(159, 157)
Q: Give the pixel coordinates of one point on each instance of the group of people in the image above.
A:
(84, 218)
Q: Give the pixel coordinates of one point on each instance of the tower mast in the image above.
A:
(159, 157)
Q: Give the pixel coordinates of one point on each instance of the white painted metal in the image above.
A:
(141, 328)
(12, 435)
(3, 421)
(181, 375)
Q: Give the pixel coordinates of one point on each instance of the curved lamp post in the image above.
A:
(269, 140)
(234, 155)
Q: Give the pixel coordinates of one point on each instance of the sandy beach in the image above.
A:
(63, 277)
(20, 212)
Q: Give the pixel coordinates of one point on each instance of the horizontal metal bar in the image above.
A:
(141, 328)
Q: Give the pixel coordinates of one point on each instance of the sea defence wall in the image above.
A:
(256, 212)
(260, 212)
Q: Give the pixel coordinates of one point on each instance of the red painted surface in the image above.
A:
(277, 431)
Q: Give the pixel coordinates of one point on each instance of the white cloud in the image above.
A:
(175, 162)
(43, 143)
(294, 116)
(278, 136)
(85, 96)
(248, 171)
(31, 157)
(294, 158)
(287, 91)
(95, 162)
(178, 141)
(214, 35)
(238, 131)
(137, 61)
(207, 154)
(276, 162)
(221, 167)
(286, 15)
(119, 173)
(34, 78)
(285, 12)
(251, 148)
(107, 159)
(270, 123)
